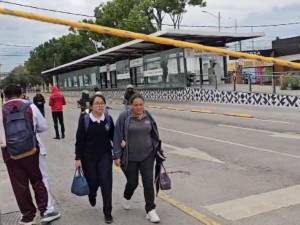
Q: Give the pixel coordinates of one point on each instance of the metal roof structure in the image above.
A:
(138, 48)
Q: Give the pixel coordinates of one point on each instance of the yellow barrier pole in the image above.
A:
(149, 38)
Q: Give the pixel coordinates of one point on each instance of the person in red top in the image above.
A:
(57, 101)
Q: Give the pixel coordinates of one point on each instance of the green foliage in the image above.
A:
(291, 81)
(177, 8)
(20, 75)
(122, 14)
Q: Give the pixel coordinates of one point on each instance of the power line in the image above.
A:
(46, 9)
(14, 45)
(13, 55)
(131, 21)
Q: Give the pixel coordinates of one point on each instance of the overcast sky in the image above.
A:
(255, 12)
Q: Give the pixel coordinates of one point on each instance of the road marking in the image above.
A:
(248, 129)
(192, 153)
(286, 135)
(273, 134)
(272, 121)
(242, 115)
(232, 143)
(202, 111)
(187, 210)
(257, 204)
(181, 206)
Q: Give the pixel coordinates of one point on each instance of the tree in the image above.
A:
(177, 8)
(121, 14)
(19, 75)
(56, 52)
(155, 10)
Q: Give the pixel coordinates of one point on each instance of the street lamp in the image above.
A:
(216, 16)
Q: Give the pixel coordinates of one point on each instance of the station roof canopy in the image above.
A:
(138, 48)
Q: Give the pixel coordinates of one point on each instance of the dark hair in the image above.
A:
(135, 96)
(12, 91)
(94, 97)
(96, 89)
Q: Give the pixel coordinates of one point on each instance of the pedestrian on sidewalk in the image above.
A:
(21, 155)
(57, 101)
(136, 143)
(128, 94)
(93, 151)
(39, 101)
(83, 102)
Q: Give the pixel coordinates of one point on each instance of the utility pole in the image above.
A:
(219, 21)
(252, 39)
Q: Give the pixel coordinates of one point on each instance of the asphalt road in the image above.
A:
(225, 170)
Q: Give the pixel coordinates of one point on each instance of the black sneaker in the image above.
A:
(50, 217)
(92, 201)
(57, 138)
(62, 136)
(109, 219)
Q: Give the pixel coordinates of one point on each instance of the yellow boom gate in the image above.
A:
(148, 38)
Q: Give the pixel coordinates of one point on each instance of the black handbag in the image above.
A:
(164, 180)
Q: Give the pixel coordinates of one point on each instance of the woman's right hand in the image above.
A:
(123, 144)
(117, 162)
(78, 164)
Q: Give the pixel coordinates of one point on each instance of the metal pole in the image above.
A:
(219, 21)
(250, 82)
(234, 82)
(252, 39)
(235, 28)
(273, 84)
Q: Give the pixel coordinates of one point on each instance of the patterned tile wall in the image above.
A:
(213, 96)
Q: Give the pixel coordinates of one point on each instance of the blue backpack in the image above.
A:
(19, 133)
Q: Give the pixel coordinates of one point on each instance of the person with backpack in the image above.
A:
(136, 145)
(39, 101)
(22, 121)
(57, 101)
(93, 150)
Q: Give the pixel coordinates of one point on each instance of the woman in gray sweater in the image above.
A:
(136, 142)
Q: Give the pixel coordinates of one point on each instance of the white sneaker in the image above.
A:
(26, 223)
(125, 203)
(152, 216)
(49, 217)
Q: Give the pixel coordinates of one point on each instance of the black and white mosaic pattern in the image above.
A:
(213, 96)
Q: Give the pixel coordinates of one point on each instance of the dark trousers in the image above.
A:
(146, 168)
(99, 174)
(21, 172)
(58, 116)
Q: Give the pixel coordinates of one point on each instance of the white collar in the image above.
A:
(98, 120)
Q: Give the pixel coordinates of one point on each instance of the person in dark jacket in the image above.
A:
(39, 101)
(128, 94)
(84, 101)
(136, 142)
(93, 150)
(57, 101)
